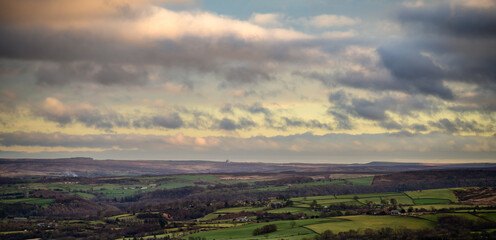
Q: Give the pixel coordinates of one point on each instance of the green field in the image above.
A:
(84, 195)
(430, 201)
(441, 206)
(401, 199)
(369, 195)
(434, 217)
(206, 178)
(208, 217)
(240, 209)
(333, 201)
(301, 199)
(489, 216)
(373, 222)
(376, 200)
(284, 230)
(294, 210)
(38, 201)
(363, 181)
(434, 194)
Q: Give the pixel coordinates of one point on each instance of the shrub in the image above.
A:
(265, 229)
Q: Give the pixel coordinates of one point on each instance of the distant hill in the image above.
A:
(88, 167)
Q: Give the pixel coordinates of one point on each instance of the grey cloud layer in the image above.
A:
(312, 147)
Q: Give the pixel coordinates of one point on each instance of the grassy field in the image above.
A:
(39, 201)
(405, 200)
(434, 217)
(333, 201)
(209, 217)
(489, 216)
(430, 201)
(441, 206)
(373, 222)
(369, 195)
(84, 195)
(206, 178)
(434, 194)
(284, 230)
(363, 181)
(294, 210)
(301, 199)
(240, 209)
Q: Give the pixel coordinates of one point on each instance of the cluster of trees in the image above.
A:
(265, 229)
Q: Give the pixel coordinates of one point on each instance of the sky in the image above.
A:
(336, 81)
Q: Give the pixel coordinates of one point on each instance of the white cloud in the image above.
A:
(267, 19)
(340, 34)
(327, 21)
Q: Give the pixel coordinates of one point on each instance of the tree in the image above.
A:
(265, 229)
(327, 235)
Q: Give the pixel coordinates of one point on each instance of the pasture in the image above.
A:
(373, 222)
(284, 230)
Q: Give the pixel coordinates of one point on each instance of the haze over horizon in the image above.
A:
(261, 81)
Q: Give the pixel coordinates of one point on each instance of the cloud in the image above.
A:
(113, 42)
(267, 19)
(344, 104)
(172, 121)
(453, 18)
(54, 110)
(230, 125)
(328, 20)
(295, 122)
(329, 147)
(459, 125)
(445, 42)
(343, 120)
(416, 73)
(255, 108)
(390, 125)
(87, 72)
